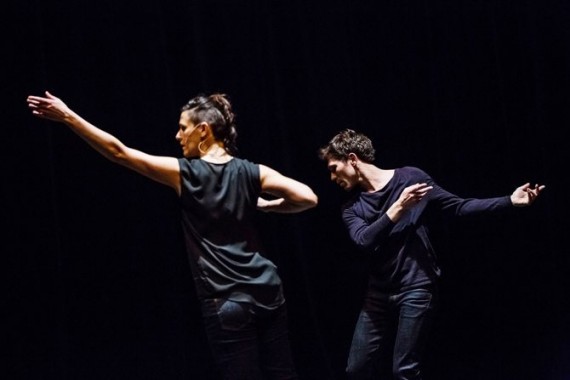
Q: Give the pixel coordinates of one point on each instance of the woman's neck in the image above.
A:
(216, 154)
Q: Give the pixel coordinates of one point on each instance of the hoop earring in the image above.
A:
(200, 147)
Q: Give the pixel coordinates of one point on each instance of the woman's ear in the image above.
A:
(204, 129)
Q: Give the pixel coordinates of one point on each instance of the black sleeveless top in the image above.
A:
(222, 244)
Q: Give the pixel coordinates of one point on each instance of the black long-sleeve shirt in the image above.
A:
(403, 256)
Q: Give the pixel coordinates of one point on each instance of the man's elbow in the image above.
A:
(364, 244)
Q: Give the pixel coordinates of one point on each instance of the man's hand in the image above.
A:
(410, 197)
(525, 195)
(413, 194)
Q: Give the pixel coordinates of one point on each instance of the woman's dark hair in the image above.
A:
(346, 142)
(216, 110)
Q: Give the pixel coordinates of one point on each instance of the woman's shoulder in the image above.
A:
(244, 163)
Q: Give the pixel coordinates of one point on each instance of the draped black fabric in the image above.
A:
(473, 92)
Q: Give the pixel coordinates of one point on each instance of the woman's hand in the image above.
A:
(50, 107)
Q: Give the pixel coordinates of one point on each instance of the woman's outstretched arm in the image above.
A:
(162, 169)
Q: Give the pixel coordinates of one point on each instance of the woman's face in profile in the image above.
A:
(187, 136)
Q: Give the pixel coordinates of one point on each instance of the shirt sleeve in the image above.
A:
(457, 206)
(366, 236)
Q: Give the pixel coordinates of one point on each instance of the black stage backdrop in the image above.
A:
(97, 285)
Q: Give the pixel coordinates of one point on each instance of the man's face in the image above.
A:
(342, 173)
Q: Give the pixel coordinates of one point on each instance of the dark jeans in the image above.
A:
(248, 343)
(391, 326)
